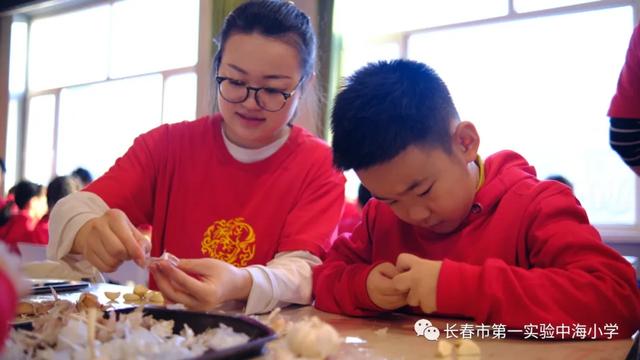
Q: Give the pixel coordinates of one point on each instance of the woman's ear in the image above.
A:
(466, 140)
(310, 81)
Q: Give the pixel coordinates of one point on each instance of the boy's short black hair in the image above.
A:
(385, 107)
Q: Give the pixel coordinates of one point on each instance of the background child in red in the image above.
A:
(624, 111)
(57, 189)
(247, 199)
(31, 201)
(450, 233)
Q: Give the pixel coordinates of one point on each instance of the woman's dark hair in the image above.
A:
(60, 187)
(273, 18)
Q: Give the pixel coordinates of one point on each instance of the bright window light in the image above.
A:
(39, 154)
(542, 87)
(179, 98)
(98, 123)
(18, 58)
(153, 35)
(69, 49)
(383, 16)
(533, 5)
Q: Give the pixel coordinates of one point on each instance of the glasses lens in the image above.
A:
(270, 99)
(233, 92)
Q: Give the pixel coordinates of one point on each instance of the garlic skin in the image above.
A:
(313, 338)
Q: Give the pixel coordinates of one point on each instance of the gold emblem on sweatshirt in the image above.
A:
(233, 241)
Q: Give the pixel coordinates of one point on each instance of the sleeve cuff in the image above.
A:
(363, 301)
(458, 287)
(261, 297)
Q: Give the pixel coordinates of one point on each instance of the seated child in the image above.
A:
(31, 201)
(57, 189)
(451, 233)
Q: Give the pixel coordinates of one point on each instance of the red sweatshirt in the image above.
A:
(525, 254)
(20, 228)
(8, 302)
(201, 202)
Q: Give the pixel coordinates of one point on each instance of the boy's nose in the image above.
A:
(417, 213)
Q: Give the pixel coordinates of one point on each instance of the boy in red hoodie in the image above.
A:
(451, 233)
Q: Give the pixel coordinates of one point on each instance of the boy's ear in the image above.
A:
(466, 140)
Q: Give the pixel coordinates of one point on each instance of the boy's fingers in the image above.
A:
(405, 261)
(388, 270)
(402, 282)
(413, 299)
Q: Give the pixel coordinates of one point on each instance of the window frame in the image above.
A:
(618, 234)
(30, 13)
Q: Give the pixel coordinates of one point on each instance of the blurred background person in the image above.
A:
(560, 178)
(624, 130)
(31, 201)
(58, 188)
(83, 176)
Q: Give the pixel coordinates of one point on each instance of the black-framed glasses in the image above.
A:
(269, 99)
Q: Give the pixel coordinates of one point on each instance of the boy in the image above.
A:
(450, 233)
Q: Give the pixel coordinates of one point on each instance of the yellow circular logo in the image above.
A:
(233, 241)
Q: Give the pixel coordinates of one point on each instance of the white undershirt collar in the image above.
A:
(247, 156)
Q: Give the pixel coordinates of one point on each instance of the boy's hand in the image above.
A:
(201, 284)
(382, 290)
(418, 277)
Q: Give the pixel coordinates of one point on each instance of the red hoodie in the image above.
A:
(626, 102)
(526, 254)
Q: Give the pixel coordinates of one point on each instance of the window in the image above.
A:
(537, 79)
(100, 75)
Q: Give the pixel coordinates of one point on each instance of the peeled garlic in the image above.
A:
(112, 295)
(157, 298)
(140, 290)
(131, 297)
(467, 348)
(313, 338)
(444, 348)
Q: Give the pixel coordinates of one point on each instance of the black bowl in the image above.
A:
(259, 334)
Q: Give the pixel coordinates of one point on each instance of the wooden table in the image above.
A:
(366, 339)
(401, 341)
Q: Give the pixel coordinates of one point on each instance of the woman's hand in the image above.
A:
(110, 239)
(201, 284)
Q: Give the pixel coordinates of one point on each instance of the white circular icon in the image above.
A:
(432, 333)
(420, 326)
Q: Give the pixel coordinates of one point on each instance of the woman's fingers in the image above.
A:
(122, 228)
(172, 292)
